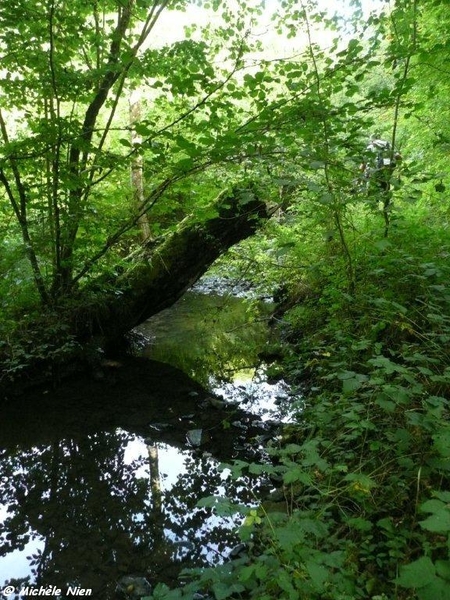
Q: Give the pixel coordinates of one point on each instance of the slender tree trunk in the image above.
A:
(137, 168)
(155, 484)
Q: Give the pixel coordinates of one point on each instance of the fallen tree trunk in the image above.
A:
(99, 315)
(164, 270)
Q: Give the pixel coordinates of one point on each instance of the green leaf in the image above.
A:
(142, 129)
(163, 592)
(185, 164)
(297, 475)
(257, 469)
(326, 198)
(222, 506)
(443, 568)
(125, 142)
(293, 449)
(442, 443)
(189, 147)
(288, 537)
(223, 590)
(318, 573)
(247, 573)
(350, 385)
(437, 589)
(382, 245)
(360, 482)
(284, 581)
(438, 522)
(385, 404)
(444, 496)
(313, 526)
(359, 523)
(387, 365)
(417, 574)
(432, 506)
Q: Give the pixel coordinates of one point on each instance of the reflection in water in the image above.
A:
(206, 335)
(217, 340)
(87, 511)
(251, 390)
(99, 481)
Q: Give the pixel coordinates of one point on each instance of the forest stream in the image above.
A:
(100, 478)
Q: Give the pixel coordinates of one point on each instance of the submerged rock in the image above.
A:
(239, 551)
(215, 402)
(134, 587)
(195, 437)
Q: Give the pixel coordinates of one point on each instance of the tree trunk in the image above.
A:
(137, 167)
(156, 279)
(167, 268)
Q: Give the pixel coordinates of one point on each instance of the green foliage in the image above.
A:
(65, 127)
(27, 354)
(363, 506)
(298, 125)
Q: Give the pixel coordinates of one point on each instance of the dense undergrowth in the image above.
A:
(363, 505)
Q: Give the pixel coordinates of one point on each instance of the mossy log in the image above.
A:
(164, 270)
(101, 313)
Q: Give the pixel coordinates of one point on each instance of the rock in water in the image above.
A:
(133, 587)
(194, 437)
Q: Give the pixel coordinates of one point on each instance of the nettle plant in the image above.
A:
(372, 457)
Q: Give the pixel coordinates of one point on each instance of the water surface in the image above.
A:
(100, 479)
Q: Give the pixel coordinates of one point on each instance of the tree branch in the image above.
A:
(20, 209)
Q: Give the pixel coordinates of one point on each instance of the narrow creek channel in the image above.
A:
(100, 479)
